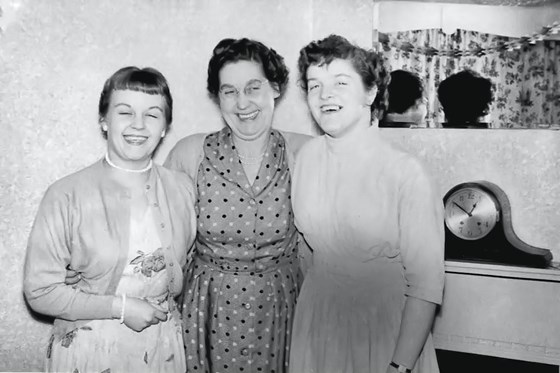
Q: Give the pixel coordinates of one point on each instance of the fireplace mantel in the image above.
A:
(502, 311)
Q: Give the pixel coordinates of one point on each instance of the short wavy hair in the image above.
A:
(465, 96)
(405, 88)
(368, 64)
(147, 80)
(233, 50)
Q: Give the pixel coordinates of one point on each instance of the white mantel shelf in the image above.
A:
(503, 311)
(506, 271)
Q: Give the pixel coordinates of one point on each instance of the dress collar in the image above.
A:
(353, 141)
(219, 151)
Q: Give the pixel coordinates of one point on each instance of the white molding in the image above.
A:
(497, 348)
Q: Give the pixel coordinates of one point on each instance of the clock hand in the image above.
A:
(462, 209)
(472, 209)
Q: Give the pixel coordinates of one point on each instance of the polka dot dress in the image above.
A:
(244, 281)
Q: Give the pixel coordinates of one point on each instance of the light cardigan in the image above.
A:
(83, 221)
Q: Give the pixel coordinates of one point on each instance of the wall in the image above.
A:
(524, 163)
(55, 56)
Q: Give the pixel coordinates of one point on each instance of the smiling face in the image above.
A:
(249, 112)
(337, 97)
(135, 124)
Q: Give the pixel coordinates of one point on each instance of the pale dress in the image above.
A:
(374, 223)
(109, 346)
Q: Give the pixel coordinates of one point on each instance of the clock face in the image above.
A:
(471, 213)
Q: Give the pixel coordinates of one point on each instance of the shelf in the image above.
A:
(505, 271)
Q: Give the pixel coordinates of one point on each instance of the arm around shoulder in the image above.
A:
(295, 141)
(187, 154)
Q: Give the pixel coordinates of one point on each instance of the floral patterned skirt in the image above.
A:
(108, 346)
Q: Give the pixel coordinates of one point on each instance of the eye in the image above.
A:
(341, 82)
(125, 113)
(229, 91)
(312, 87)
(151, 115)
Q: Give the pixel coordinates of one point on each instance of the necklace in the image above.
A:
(149, 166)
(250, 160)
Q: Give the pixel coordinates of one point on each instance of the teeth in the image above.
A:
(330, 108)
(135, 140)
(248, 116)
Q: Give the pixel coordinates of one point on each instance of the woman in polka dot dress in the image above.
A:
(244, 279)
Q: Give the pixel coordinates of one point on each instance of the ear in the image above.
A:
(275, 90)
(103, 125)
(370, 95)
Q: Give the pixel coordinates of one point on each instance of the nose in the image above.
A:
(138, 122)
(242, 100)
(327, 91)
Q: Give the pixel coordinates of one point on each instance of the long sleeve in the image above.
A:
(49, 251)
(421, 235)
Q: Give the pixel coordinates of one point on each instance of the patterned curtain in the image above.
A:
(527, 80)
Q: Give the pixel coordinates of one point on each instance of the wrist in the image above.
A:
(122, 308)
(400, 368)
(116, 307)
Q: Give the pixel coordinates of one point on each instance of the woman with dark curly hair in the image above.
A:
(240, 297)
(374, 222)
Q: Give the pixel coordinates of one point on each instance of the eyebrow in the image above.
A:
(122, 104)
(339, 75)
(227, 85)
(248, 82)
(130, 107)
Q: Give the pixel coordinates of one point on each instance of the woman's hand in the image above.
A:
(138, 313)
(72, 277)
(391, 369)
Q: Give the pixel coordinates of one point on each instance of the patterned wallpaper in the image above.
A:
(55, 56)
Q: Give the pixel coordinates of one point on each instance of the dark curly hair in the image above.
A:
(465, 96)
(368, 64)
(233, 50)
(147, 80)
(404, 90)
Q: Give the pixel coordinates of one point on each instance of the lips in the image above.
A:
(330, 108)
(135, 139)
(248, 116)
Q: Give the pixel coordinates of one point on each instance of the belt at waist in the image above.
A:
(247, 268)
